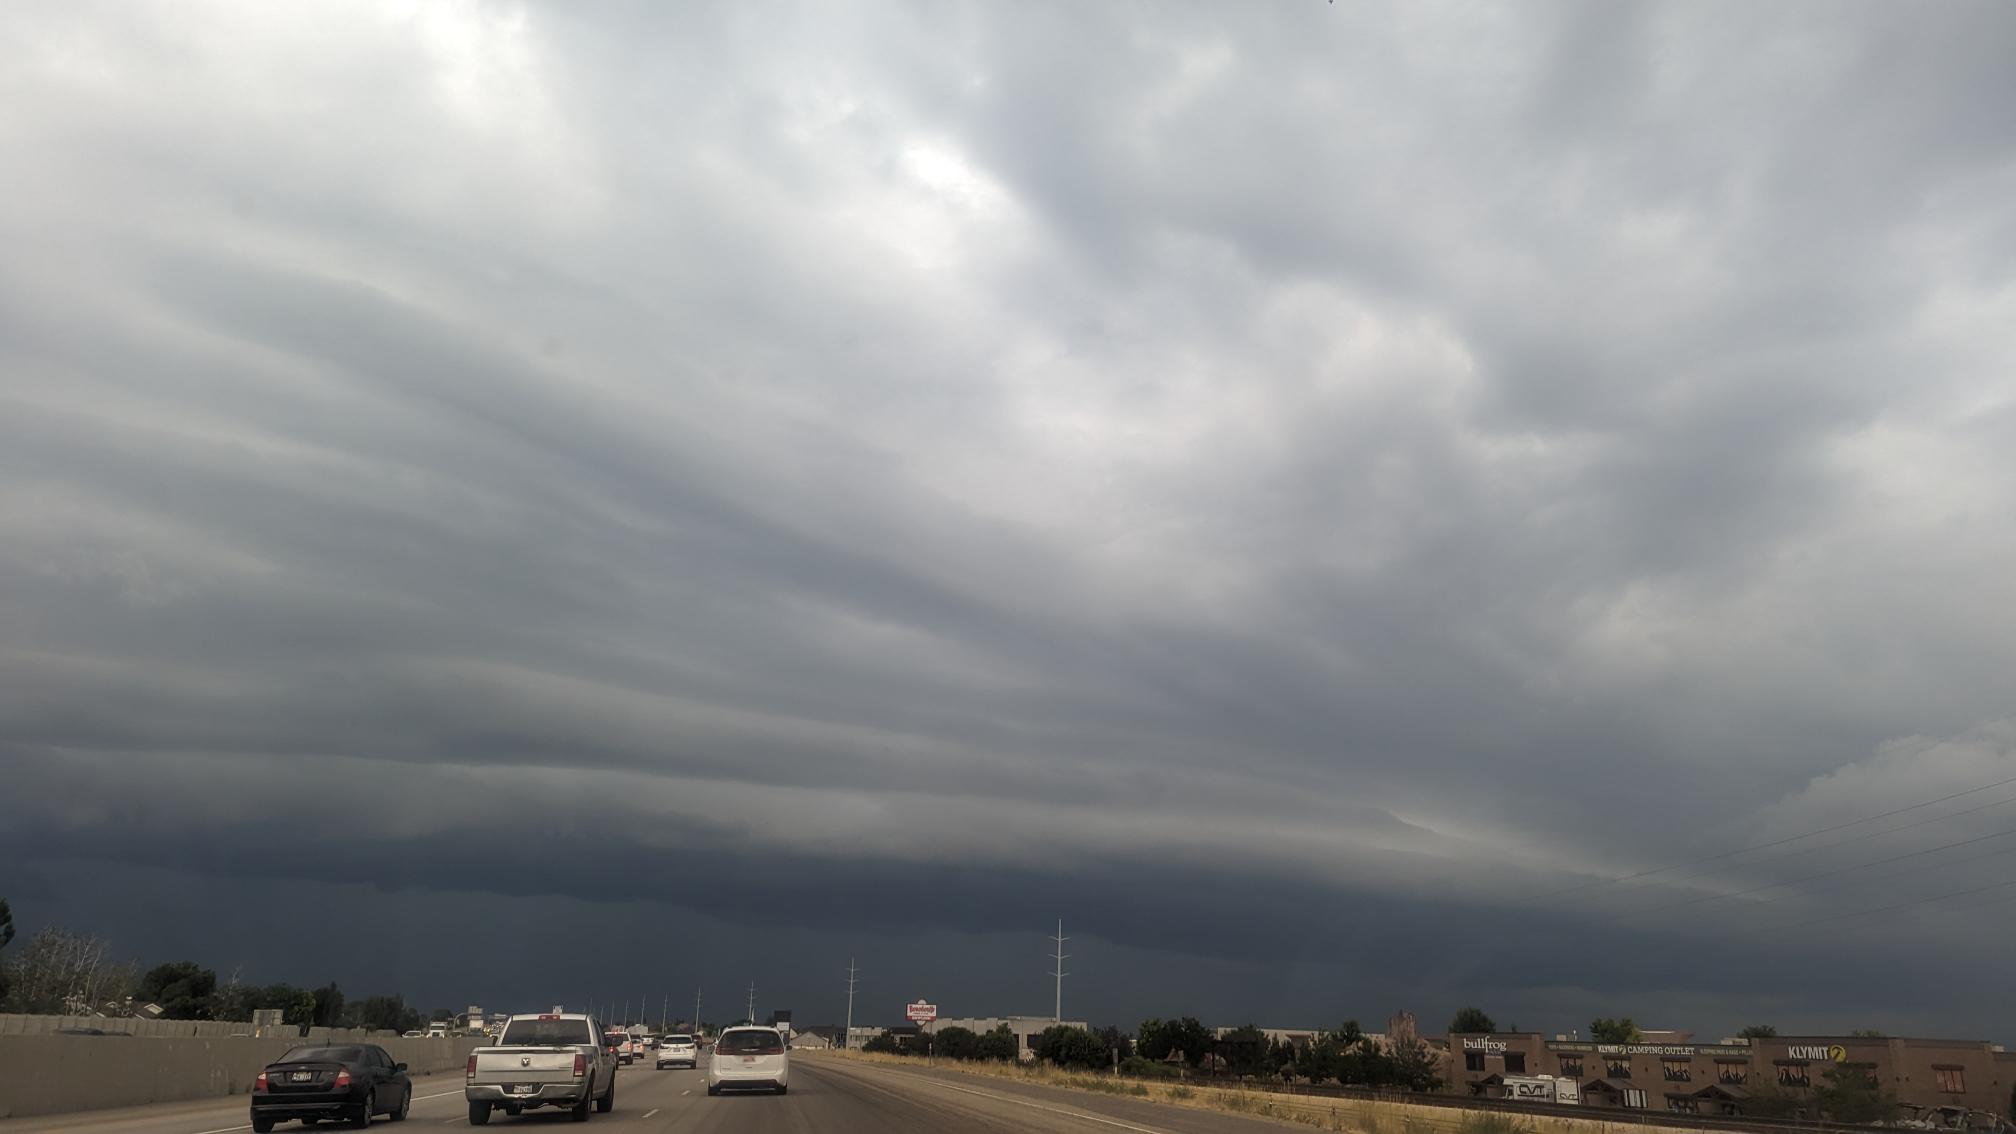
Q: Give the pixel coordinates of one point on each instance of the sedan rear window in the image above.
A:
(752, 1042)
(545, 1033)
(323, 1055)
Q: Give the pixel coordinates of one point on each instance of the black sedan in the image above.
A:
(353, 1082)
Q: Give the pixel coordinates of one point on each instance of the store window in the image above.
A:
(1473, 1061)
(1677, 1070)
(1952, 1080)
(1682, 1104)
(1515, 1063)
(1571, 1067)
(1634, 1098)
(1793, 1075)
(1733, 1074)
(1617, 1068)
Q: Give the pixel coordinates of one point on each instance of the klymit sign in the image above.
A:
(1480, 1043)
(1832, 1052)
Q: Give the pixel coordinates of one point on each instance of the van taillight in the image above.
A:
(472, 1065)
(580, 1065)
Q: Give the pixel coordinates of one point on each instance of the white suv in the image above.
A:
(678, 1049)
(749, 1057)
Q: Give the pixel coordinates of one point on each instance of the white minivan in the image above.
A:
(749, 1057)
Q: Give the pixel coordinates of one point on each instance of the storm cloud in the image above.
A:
(1328, 497)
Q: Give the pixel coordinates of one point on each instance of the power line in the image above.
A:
(1600, 882)
(1889, 909)
(853, 974)
(1843, 870)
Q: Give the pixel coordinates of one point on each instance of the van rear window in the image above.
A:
(755, 1041)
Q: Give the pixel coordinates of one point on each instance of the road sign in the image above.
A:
(921, 1012)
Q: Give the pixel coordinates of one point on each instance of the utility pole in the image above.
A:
(696, 1014)
(752, 1001)
(664, 1006)
(1060, 957)
(626, 1002)
(852, 974)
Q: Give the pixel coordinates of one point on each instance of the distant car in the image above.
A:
(619, 1047)
(677, 1049)
(749, 1057)
(356, 1082)
(411, 1035)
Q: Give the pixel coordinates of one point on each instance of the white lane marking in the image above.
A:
(684, 1093)
(652, 1111)
(225, 1130)
(1035, 1105)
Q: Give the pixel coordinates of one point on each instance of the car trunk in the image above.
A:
(302, 1078)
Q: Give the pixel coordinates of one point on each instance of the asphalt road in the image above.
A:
(828, 1096)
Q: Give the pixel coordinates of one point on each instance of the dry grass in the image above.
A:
(1359, 1116)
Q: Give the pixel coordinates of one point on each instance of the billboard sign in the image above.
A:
(921, 1012)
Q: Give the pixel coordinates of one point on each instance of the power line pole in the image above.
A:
(696, 1014)
(1060, 957)
(852, 974)
(752, 1001)
(664, 1006)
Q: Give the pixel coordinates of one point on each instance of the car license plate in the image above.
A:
(301, 1076)
(748, 1059)
(523, 1088)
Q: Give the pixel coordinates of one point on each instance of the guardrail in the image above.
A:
(1623, 1116)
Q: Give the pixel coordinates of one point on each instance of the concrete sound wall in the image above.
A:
(52, 1074)
(12, 1024)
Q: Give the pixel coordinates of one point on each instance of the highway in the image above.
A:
(828, 1096)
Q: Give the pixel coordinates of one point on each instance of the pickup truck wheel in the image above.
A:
(262, 1126)
(580, 1111)
(607, 1102)
(479, 1113)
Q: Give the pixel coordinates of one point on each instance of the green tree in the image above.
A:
(1606, 1030)
(6, 935)
(999, 1044)
(1472, 1020)
(1190, 1037)
(1152, 1040)
(387, 1014)
(1409, 1066)
(1852, 1094)
(1244, 1050)
(183, 989)
(885, 1043)
(442, 1015)
(1068, 1046)
(957, 1043)
(1758, 1031)
(328, 1006)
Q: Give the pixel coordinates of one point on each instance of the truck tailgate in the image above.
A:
(524, 1065)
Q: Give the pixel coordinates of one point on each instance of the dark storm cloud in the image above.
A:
(1313, 484)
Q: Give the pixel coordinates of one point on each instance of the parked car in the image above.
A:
(559, 1059)
(677, 1049)
(749, 1057)
(356, 1082)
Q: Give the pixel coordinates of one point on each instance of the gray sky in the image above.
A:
(1303, 492)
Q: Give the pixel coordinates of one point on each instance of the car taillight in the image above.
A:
(343, 1078)
(259, 1084)
(580, 1065)
(472, 1066)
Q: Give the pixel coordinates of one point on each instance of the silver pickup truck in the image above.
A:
(552, 1060)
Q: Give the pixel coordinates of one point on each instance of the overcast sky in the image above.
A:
(1318, 496)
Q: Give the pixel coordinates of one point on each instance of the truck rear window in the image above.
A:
(545, 1033)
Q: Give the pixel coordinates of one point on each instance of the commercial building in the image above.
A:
(1026, 1028)
(1728, 1078)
